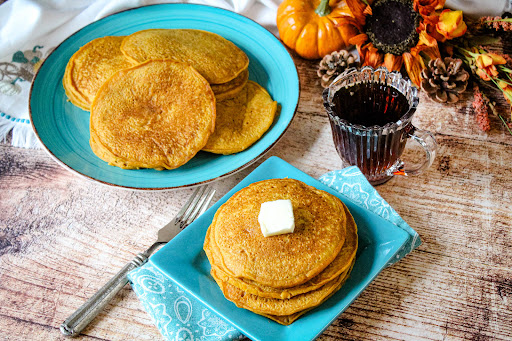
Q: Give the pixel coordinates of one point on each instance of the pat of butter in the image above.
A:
(276, 217)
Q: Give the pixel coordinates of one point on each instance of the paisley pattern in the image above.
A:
(352, 183)
(178, 316)
(212, 326)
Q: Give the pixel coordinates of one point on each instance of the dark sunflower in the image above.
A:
(392, 33)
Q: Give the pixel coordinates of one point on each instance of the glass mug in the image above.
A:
(370, 112)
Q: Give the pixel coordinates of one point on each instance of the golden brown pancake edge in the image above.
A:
(163, 126)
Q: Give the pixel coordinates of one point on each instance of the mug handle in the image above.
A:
(428, 142)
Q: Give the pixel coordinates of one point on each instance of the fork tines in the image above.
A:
(195, 206)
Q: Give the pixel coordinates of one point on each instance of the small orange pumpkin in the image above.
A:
(312, 27)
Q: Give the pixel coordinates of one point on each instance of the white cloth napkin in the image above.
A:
(30, 29)
(479, 8)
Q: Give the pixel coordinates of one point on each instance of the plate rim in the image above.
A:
(402, 236)
(166, 188)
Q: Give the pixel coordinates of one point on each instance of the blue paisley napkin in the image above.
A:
(352, 183)
(179, 316)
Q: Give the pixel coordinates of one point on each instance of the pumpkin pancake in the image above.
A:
(90, 67)
(231, 88)
(289, 319)
(285, 260)
(274, 306)
(241, 120)
(158, 114)
(268, 292)
(340, 265)
(214, 57)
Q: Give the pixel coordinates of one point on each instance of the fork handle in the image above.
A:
(75, 323)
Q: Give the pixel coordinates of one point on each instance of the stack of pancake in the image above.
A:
(159, 96)
(283, 276)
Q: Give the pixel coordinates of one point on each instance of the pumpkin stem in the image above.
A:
(323, 9)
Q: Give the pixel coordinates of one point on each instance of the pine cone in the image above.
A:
(444, 80)
(333, 65)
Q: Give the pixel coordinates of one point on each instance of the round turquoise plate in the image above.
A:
(63, 128)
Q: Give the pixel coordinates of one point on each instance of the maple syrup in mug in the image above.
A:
(375, 146)
(370, 104)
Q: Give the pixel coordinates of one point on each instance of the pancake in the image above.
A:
(273, 306)
(289, 319)
(339, 266)
(285, 260)
(231, 88)
(268, 292)
(158, 114)
(90, 67)
(214, 57)
(241, 120)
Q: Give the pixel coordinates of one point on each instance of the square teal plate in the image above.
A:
(184, 261)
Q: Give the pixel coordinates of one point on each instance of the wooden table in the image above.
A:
(62, 237)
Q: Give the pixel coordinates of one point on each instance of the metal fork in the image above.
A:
(193, 208)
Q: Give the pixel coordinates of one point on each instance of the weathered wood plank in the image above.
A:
(63, 224)
(462, 206)
(62, 236)
(417, 294)
(432, 297)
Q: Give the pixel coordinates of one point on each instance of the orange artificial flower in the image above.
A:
(486, 64)
(429, 26)
(392, 62)
(507, 90)
(427, 7)
(451, 24)
(372, 56)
